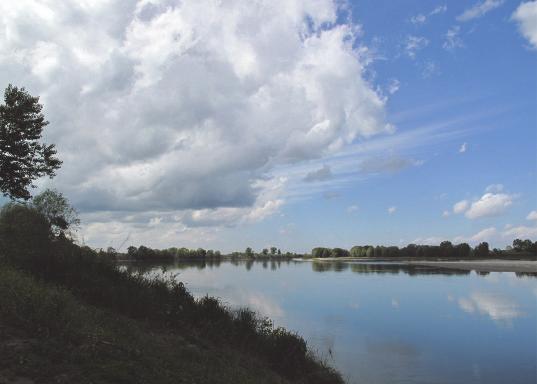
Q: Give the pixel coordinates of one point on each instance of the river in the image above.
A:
(385, 322)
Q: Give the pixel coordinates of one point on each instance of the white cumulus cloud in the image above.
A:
(173, 107)
(493, 203)
(532, 215)
(494, 188)
(490, 204)
(521, 232)
(486, 234)
(526, 17)
(461, 206)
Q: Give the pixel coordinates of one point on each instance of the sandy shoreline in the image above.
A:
(490, 265)
(483, 265)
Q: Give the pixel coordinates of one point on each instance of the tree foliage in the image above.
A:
(23, 158)
(62, 217)
(527, 245)
(445, 250)
(24, 232)
(482, 249)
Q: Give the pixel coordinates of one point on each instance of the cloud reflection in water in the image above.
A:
(499, 308)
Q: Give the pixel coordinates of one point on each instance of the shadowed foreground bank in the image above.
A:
(48, 336)
(68, 314)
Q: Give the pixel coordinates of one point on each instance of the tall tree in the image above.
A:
(482, 250)
(62, 217)
(23, 158)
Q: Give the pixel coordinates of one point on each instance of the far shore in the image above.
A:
(484, 265)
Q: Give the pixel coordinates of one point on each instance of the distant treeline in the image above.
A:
(146, 253)
(520, 248)
(445, 250)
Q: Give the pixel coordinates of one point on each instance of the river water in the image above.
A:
(385, 322)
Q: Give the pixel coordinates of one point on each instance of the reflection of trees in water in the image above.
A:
(526, 274)
(316, 266)
(145, 267)
(369, 268)
(335, 266)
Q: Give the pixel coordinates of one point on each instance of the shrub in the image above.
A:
(24, 234)
(339, 252)
(26, 303)
(96, 279)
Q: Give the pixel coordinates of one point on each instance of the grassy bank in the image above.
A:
(72, 315)
(49, 336)
(123, 329)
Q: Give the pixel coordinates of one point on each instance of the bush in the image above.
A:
(24, 234)
(321, 252)
(287, 352)
(339, 252)
(44, 312)
(94, 277)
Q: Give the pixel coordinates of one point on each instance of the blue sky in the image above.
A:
(484, 90)
(296, 124)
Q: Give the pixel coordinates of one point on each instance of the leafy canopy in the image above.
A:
(61, 216)
(23, 158)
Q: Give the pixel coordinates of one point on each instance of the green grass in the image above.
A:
(112, 326)
(50, 336)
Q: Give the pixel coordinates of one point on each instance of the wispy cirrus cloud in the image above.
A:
(479, 10)
(321, 174)
(386, 164)
(413, 44)
(452, 39)
(421, 18)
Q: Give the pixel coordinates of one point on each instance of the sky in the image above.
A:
(227, 124)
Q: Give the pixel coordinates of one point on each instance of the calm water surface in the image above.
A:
(388, 323)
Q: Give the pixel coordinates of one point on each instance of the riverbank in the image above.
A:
(484, 265)
(69, 314)
(495, 265)
(47, 336)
